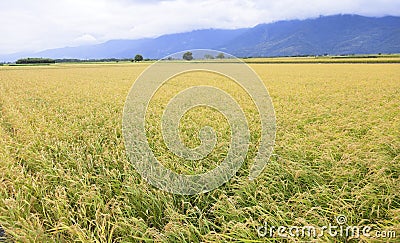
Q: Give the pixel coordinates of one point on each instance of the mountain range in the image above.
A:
(333, 35)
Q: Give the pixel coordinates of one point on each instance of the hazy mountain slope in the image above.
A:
(339, 34)
(149, 48)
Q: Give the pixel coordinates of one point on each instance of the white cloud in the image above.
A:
(35, 25)
(85, 40)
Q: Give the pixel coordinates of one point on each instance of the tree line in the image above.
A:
(35, 60)
(188, 56)
(31, 60)
(138, 58)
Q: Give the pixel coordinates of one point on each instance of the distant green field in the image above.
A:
(394, 58)
(64, 175)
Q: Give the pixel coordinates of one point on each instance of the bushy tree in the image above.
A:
(221, 56)
(138, 58)
(188, 56)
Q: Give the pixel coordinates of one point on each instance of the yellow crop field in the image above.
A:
(65, 176)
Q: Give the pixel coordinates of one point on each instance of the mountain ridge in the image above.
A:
(334, 35)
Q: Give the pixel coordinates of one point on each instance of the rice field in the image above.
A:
(65, 176)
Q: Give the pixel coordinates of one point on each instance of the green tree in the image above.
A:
(208, 56)
(221, 56)
(188, 56)
(34, 60)
(138, 58)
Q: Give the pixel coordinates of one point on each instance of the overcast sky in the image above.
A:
(28, 25)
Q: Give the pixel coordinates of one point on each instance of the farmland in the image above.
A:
(64, 175)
